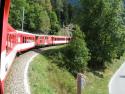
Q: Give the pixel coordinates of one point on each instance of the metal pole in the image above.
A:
(23, 19)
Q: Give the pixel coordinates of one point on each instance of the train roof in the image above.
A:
(57, 36)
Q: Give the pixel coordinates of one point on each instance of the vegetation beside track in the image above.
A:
(48, 76)
(97, 81)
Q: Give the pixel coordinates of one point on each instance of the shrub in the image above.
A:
(77, 52)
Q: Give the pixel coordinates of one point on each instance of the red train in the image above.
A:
(13, 41)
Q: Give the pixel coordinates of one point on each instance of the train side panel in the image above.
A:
(25, 41)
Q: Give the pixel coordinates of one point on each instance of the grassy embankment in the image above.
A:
(46, 77)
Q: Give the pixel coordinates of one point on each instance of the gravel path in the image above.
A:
(14, 83)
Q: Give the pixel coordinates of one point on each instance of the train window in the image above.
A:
(29, 39)
(13, 39)
(46, 37)
(23, 39)
(59, 39)
(40, 40)
(32, 38)
(26, 39)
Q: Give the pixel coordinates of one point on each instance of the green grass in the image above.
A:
(96, 84)
(48, 77)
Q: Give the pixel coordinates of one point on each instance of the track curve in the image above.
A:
(16, 81)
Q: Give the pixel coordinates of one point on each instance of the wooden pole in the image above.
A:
(80, 83)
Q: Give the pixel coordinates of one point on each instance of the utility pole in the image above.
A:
(23, 19)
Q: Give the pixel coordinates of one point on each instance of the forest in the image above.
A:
(98, 32)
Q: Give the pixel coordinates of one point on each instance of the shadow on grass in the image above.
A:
(58, 57)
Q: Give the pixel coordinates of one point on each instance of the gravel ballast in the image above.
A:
(14, 83)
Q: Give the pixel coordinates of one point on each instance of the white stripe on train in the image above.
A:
(7, 60)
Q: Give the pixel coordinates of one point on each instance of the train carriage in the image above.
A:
(25, 41)
(44, 40)
(60, 39)
(13, 41)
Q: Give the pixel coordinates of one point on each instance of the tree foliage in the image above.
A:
(37, 18)
(77, 52)
(64, 10)
(43, 16)
(54, 23)
(16, 12)
(101, 21)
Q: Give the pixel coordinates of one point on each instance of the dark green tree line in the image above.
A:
(102, 23)
(64, 10)
(16, 12)
(43, 16)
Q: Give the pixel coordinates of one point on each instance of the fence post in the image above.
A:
(80, 83)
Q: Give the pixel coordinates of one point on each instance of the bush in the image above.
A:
(77, 52)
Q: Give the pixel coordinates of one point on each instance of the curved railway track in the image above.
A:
(15, 81)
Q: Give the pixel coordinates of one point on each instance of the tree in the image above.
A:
(63, 9)
(54, 23)
(77, 52)
(101, 21)
(36, 15)
(16, 12)
(37, 18)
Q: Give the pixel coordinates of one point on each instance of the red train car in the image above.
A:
(14, 41)
(44, 40)
(25, 41)
(4, 12)
(51, 39)
(60, 39)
